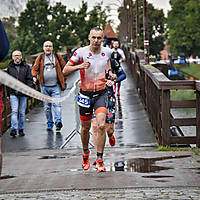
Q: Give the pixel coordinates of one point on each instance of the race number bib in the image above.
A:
(83, 101)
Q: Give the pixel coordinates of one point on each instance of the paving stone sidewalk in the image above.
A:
(188, 193)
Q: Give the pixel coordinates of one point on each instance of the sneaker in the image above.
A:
(118, 93)
(13, 133)
(49, 126)
(100, 166)
(86, 163)
(112, 140)
(21, 133)
(59, 126)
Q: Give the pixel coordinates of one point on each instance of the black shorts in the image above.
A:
(97, 104)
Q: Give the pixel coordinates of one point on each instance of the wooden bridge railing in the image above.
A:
(6, 114)
(155, 89)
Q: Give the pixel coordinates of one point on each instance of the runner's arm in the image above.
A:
(123, 57)
(122, 60)
(108, 68)
(71, 67)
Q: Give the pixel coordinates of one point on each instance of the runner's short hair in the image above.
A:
(96, 29)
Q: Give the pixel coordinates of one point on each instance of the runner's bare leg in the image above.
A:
(101, 130)
(85, 134)
(94, 132)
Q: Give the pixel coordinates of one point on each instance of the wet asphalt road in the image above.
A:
(132, 126)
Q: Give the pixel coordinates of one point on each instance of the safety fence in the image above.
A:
(155, 90)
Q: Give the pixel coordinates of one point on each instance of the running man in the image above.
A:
(117, 57)
(110, 116)
(92, 61)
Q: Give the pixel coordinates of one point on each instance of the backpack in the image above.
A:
(56, 57)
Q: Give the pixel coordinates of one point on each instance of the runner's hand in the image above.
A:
(109, 83)
(113, 76)
(34, 80)
(85, 65)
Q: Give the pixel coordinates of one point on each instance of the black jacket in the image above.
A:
(24, 75)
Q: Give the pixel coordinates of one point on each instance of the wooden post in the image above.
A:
(165, 117)
(131, 24)
(198, 118)
(137, 26)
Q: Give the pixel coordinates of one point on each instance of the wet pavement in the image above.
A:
(34, 166)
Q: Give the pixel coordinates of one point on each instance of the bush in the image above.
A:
(4, 65)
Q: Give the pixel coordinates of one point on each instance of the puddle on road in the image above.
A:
(6, 177)
(52, 157)
(157, 176)
(142, 165)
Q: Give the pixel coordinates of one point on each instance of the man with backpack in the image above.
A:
(48, 67)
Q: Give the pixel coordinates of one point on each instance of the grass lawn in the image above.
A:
(193, 69)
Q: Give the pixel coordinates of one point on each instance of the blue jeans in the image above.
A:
(52, 91)
(18, 105)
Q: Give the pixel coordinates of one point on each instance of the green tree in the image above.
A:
(33, 26)
(98, 16)
(53, 22)
(184, 27)
(60, 27)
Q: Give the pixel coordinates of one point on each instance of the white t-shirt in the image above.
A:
(121, 52)
(93, 78)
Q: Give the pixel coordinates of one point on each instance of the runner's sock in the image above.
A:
(110, 134)
(99, 155)
(86, 151)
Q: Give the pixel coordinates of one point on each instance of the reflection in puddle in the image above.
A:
(143, 165)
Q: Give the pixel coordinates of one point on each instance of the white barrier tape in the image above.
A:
(15, 84)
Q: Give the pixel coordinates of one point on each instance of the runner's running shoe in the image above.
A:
(100, 166)
(112, 140)
(86, 163)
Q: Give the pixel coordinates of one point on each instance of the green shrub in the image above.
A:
(4, 65)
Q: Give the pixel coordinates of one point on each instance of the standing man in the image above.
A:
(117, 57)
(4, 49)
(22, 72)
(92, 61)
(48, 66)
